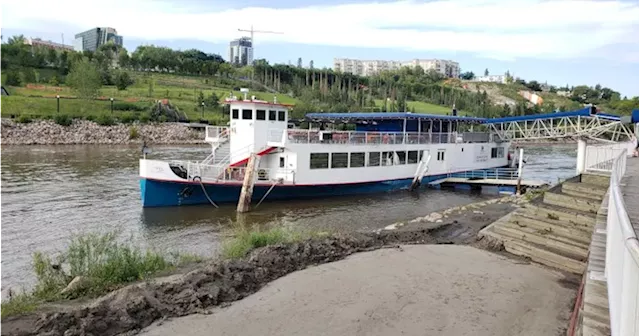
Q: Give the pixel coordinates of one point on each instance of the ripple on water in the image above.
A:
(50, 193)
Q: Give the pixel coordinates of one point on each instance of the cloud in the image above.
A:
(547, 29)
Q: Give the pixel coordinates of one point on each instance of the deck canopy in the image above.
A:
(368, 117)
(584, 112)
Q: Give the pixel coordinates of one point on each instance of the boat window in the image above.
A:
(412, 157)
(356, 160)
(374, 159)
(402, 157)
(339, 160)
(494, 152)
(247, 114)
(500, 152)
(440, 155)
(319, 161)
(281, 162)
(281, 116)
(272, 115)
(234, 114)
(387, 158)
(261, 115)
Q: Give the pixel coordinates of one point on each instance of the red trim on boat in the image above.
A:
(243, 161)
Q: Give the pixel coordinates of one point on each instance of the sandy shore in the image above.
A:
(411, 290)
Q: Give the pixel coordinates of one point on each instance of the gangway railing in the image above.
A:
(493, 173)
(621, 261)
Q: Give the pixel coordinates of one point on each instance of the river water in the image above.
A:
(50, 193)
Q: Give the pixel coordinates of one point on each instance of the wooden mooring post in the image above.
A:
(246, 193)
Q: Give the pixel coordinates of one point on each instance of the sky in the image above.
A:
(560, 42)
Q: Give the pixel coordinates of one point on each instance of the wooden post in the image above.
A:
(247, 186)
(520, 162)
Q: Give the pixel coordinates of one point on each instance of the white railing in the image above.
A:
(217, 133)
(601, 158)
(493, 173)
(621, 266)
(197, 171)
(356, 137)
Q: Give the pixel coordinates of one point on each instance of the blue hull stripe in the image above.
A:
(157, 193)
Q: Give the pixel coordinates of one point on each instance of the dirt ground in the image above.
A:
(411, 290)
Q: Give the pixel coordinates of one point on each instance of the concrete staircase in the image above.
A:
(555, 229)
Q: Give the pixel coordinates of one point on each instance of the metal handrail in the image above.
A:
(310, 136)
(621, 265)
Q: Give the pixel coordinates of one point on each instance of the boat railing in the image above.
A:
(217, 133)
(492, 173)
(299, 136)
(197, 171)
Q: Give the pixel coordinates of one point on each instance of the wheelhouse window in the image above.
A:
(500, 152)
(247, 114)
(319, 161)
(272, 115)
(374, 159)
(339, 160)
(440, 155)
(412, 157)
(234, 114)
(261, 115)
(356, 160)
(494, 152)
(281, 115)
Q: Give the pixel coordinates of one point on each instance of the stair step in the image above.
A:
(572, 251)
(572, 202)
(544, 256)
(567, 230)
(585, 188)
(597, 179)
(581, 194)
(553, 212)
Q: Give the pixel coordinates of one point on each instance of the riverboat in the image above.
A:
(336, 154)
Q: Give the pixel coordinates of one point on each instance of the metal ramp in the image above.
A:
(584, 123)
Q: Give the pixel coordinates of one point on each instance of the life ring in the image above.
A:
(199, 179)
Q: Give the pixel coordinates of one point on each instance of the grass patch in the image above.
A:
(244, 239)
(98, 262)
(422, 107)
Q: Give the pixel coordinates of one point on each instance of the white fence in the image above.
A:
(622, 267)
(601, 158)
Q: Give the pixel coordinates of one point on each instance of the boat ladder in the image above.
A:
(421, 171)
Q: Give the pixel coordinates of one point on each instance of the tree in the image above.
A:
(52, 57)
(123, 58)
(17, 40)
(299, 62)
(84, 78)
(13, 78)
(469, 75)
(123, 80)
(486, 72)
(311, 64)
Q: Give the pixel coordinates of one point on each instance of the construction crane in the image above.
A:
(252, 31)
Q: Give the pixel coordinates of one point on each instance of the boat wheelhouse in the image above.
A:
(335, 154)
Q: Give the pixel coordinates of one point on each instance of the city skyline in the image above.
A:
(543, 45)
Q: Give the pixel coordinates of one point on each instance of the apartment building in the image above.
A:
(492, 79)
(241, 51)
(39, 43)
(371, 67)
(91, 39)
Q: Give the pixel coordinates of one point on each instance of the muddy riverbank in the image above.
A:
(47, 132)
(221, 282)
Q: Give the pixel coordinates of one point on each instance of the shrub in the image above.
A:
(24, 119)
(54, 80)
(126, 106)
(90, 117)
(13, 78)
(105, 120)
(127, 118)
(144, 118)
(63, 119)
(133, 132)
(123, 80)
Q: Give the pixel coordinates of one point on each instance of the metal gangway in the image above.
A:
(585, 123)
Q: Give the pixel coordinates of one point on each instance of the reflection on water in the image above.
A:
(50, 193)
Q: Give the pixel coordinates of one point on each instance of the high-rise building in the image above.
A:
(91, 39)
(241, 51)
(368, 68)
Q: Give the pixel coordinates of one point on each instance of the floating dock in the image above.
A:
(501, 180)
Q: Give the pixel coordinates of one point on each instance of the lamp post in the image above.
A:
(58, 101)
(202, 110)
(111, 99)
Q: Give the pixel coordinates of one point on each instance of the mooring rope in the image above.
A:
(205, 193)
(266, 194)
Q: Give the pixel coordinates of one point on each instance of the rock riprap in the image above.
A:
(47, 132)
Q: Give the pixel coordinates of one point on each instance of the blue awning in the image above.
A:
(373, 116)
(634, 116)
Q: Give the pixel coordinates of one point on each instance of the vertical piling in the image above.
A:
(520, 162)
(247, 185)
(581, 158)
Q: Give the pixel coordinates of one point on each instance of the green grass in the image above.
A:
(243, 240)
(101, 260)
(421, 107)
